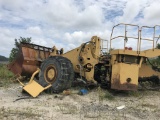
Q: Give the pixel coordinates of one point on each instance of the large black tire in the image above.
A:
(61, 74)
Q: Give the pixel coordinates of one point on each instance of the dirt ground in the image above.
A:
(98, 104)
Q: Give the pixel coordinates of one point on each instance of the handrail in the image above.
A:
(102, 41)
(139, 37)
(125, 36)
(155, 34)
(145, 38)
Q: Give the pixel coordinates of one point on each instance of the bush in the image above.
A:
(5, 76)
(4, 72)
(15, 50)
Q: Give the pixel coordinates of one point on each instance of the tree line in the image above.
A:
(3, 58)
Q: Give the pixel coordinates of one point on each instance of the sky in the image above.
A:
(69, 23)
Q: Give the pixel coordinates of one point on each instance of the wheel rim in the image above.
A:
(50, 74)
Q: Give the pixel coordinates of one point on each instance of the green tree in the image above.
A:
(17, 43)
(158, 59)
(158, 46)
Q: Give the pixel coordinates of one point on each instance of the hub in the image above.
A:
(50, 74)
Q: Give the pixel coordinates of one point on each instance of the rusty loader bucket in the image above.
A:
(34, 88)
(28, 59)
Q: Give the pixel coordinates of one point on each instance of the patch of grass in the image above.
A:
(103, 95)
(67, 109)
(134, 93)
(16, 113)
(129, 93)
(5, 75)
(109, 96)
(149, 105)
(4, 72)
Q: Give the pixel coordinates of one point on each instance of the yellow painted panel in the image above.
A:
(33, 88)
(152, 53)
(121, 72)
(127, 52)
(147, 71)
(129, 71)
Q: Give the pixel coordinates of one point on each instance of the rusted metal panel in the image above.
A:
(28, 59)
(116, 84)
(16, 66)
(124, 76)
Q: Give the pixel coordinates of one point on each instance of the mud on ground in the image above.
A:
(98, 104)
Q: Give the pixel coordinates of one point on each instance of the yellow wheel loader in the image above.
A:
(94, 63)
